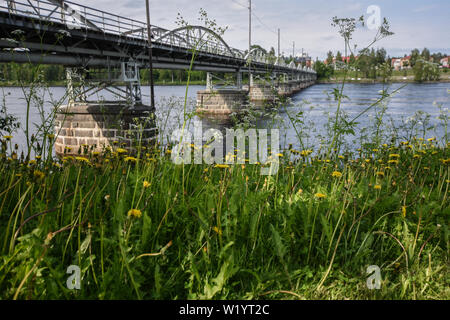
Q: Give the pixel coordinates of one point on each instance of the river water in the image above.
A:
(310, 109)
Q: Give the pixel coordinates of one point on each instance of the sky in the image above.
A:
(416, 24)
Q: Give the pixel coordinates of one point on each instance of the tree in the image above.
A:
(415, 55)
(329, 58)
(426, 54)
(323, 71)
(338, 56)
(380, 56)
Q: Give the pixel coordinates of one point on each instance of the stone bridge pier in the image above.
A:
(216, 101)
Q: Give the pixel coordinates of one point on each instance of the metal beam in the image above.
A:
(74, 13)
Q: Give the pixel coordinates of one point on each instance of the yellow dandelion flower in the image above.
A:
(404, 211)
(393, 161)
(135, 213)
(380, 174)
(221, 166)
(217, 230)
(394, 155)
(121, 151)
(38, 174)
(130, 159)
(320, 195)
(337, 174)
(82, 159)
(341, 157)
(146, 184)
(377, 187)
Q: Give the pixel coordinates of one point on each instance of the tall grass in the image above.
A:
(311, 230)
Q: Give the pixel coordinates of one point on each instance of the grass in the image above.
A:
(139, 231)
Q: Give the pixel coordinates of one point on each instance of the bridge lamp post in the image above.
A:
(150, 54)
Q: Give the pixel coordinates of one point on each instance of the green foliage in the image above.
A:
(323, 71)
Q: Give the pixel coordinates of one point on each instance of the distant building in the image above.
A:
(304, 59)
(444, 62)
(396, 64)
(401, 63)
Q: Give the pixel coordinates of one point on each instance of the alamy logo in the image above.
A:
(374, 280)
(74, 281)
(213, 151)
(374, 20)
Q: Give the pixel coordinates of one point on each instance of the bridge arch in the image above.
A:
(198, 32)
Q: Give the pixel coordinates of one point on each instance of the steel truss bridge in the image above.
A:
(84, 39)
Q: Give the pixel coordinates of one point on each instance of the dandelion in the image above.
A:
(38, 174)
(280, 155)
(221, 166)
(7, 138)
(337, 174)
(217, 230)
(130, 159)
(51, 136)
(320, 195)
(169, 151)
(393, 161)
(431, 139)
(380, 174)
(341, 157)
(404, 211)
(121, 151)
(135, 213)
(146, 184)
(82, 159)
(377, 187)
(394, 155)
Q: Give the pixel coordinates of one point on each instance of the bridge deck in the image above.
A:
(47, 37)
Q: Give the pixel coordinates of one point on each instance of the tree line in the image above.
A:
(375, 63)
(26, 73)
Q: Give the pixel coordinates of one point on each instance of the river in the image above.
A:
(316, 103)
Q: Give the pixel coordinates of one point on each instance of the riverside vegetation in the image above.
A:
(141, 227)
